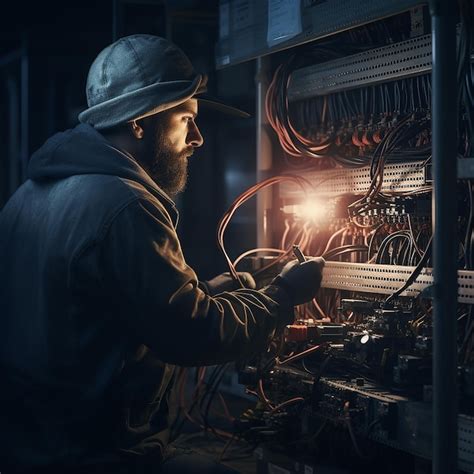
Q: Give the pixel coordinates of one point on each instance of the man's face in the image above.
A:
(174, 135)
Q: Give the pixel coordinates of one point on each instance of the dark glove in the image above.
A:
(301, 280)
(224, 282)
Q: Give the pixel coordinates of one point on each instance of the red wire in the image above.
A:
(262, 395)
(291, 401)
(300, 355)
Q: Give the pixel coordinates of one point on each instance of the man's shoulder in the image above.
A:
(93, 197)
(107, 187)
(109, 194)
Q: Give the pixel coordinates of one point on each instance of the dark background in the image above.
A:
(46, 49)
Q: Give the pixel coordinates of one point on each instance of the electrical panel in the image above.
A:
(251, 28)
(349, 104)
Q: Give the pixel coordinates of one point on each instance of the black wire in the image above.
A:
(303, 364)
(214, 386)
(322, 368)
(469, 230)
(414, 275)
(402, 234)
(344, 250)
(178, 424)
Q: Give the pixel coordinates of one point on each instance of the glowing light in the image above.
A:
(313, 209)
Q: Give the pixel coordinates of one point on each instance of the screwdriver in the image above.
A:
(298, 254)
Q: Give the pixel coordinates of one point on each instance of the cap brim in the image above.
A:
(214, 104)
(138, 103)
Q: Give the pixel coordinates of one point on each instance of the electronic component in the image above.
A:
(353, 120)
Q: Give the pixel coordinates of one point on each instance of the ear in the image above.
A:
(137, 131)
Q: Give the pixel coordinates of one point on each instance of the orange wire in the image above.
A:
(302, 182)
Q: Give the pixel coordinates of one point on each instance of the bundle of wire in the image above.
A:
(276, 106)
(400, 245)
(245, 196)
(465, 101)
(374, 198)
(465, 76)
(347, 126)
(203, 395)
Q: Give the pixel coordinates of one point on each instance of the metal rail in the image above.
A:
(445, 242)
(385, 279)
(403, 59)
(401, 177)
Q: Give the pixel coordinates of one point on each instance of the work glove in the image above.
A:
(225, 282)
(301, 280)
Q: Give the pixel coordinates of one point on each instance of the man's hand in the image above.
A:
(301, 280)
(225, 282)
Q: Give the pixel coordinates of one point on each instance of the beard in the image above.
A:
(167, 167)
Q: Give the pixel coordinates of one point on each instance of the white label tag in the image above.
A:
(284, 20)
(224, 20)
(242, 14)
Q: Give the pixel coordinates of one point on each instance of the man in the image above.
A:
(97, 300)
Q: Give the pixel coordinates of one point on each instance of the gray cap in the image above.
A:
(137, 76)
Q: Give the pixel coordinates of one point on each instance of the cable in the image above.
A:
(245, 196)
(257, 250)
(411, 279)
(344, 250)
(213, 387)
(282, 405)
(300, 355)
(347, 419)
(262, 396)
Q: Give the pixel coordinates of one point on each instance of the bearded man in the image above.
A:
(98, 302)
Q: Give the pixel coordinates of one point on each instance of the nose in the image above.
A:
(194, 137)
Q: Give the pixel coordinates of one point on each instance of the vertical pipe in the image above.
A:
(50, 118)
(24, 114)
(13, 135)
(169, 22)
(444, 130)
(115, 20)
(264, 154)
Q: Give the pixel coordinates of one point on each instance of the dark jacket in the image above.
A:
(92, 270)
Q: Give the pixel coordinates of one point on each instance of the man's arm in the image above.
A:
(160, 302)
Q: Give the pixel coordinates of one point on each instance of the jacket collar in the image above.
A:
(146, 180)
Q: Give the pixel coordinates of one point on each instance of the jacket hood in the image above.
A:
(83, 150)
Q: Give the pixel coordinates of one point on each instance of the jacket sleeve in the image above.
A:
(159, 299)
